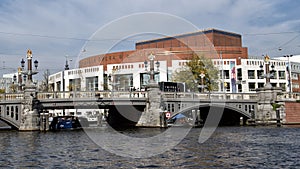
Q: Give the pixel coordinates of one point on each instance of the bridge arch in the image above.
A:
(230, 114)
(10, 123)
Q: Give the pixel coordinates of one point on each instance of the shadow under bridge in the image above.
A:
(218, 114)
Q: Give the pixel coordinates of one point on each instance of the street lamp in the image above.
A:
(152, 72)
(221, 57)
(268, 73)
(29, 72)
(202, 75)
(67, 62)
(112, 78)
(289, 72)
(20, 79)
(14, 78)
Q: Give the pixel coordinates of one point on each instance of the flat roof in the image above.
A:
(206, 31)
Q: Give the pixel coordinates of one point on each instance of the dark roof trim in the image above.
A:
(190, 34)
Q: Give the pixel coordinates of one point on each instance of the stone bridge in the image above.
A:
(22, 110)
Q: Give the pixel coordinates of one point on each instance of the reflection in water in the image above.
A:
(229, 147)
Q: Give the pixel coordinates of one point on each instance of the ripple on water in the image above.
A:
(229, 147)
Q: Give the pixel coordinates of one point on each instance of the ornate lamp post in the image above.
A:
(268, 73)
(153, 113)
(31, 119)
(152, 72)
(290, 73)
(29, 72)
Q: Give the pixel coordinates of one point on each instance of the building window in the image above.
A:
(260, 85)
(260, 74)
(225, 74)
(274, 74)
(239, 74)
(281, 74)
(124, 82)
(295, 85)
(251, 86)
(92, 83)
(251, 74)
(144, 79)
(294, 76)
(282, 85)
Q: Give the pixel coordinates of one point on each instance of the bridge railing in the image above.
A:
(11, 96)
(288, 96)
(211, 96)
(97, 94)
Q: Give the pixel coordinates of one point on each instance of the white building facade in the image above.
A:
(236, 78)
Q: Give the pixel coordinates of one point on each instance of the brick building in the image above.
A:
(211, 43)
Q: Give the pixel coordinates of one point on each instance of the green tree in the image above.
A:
(190, 74)
(2, 90)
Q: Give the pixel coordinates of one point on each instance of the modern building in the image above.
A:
(125, 70)
(82, 79)
(212, 43)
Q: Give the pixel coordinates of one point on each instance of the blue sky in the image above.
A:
(54, 29)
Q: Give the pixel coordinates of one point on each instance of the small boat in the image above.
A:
(68, 122)
(178, 120)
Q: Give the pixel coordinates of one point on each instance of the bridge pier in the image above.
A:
(44, 121)
(152, 115)
(30, 120)
(266, 97)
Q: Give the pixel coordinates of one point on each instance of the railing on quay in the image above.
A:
(143, 94)
(95, 94)
(211, 96)
(134, 94)
(288, 96)
(11, 96)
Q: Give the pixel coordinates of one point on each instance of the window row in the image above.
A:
(123, 67)
(259, 74)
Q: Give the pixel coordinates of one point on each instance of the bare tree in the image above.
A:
(44, 87)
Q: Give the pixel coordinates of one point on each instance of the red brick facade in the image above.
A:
(297, 90)
(292, 110)
(181, 46)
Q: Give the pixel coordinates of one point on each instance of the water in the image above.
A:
(229, 147)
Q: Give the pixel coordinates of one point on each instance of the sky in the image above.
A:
(57, 30)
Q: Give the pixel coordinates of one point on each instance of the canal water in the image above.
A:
(228, 147)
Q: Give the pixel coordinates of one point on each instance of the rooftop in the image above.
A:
(205, 31)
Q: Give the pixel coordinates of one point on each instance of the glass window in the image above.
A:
(260, 74)
(125, 81)
(281, 74)
(273, 74)
(282, 85)
(92, 83)
(251, 74)
(295, 85)
(274, 84)
(294, 76)
(260, 85)
(251, 86)
(146, 77)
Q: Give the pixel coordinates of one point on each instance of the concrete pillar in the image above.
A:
(29, 116)
(44, 121)
(151, 117)
(266, 97)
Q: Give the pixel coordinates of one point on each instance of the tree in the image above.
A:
(190, 74)
(44, 87)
